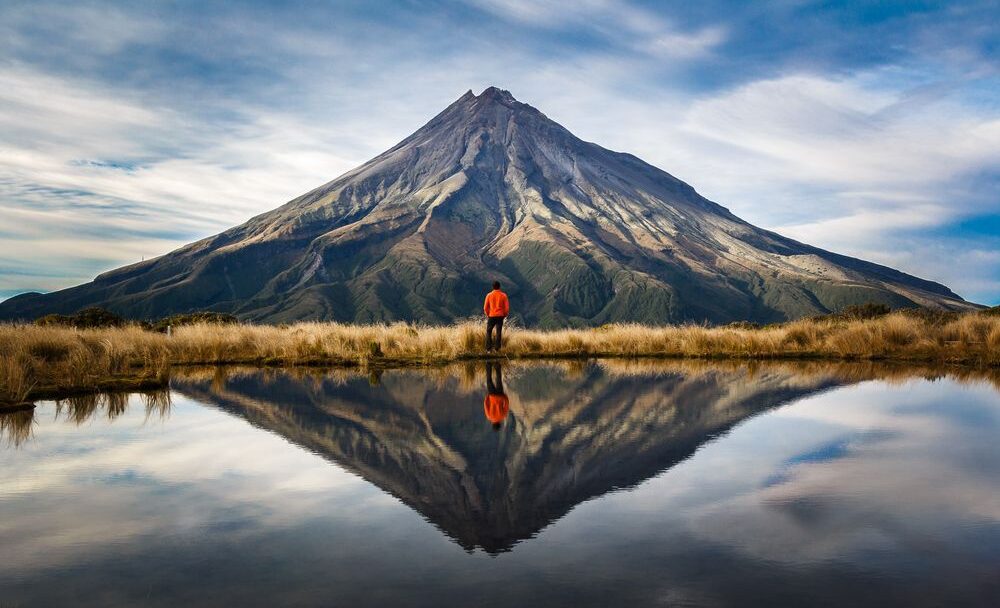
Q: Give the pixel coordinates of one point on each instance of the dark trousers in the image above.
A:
(494, 386)
(494, 323)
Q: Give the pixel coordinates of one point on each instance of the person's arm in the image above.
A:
(506, 306)
(486, 306)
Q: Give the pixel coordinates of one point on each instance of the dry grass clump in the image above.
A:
(37, 361)
(322, 343)
(83, 408)
(16, 427)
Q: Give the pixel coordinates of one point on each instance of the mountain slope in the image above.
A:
(492, 189)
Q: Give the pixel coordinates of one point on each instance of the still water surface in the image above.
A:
(605, 484)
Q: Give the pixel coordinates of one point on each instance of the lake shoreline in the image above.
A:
(140, 384)
(8, 408)
(49, 362)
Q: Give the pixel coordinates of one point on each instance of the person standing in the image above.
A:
(496, 308)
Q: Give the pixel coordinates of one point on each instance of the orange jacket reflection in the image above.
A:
(496, 405)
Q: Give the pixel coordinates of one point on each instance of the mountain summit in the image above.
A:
(491, 188)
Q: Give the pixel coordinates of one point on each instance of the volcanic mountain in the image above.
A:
(492, 189)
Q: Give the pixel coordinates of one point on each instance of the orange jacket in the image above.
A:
(496, 407)
(496, 304)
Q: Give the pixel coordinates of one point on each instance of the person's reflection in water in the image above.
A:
(496, 403)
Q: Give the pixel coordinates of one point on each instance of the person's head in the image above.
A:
(496, 426)
(496, 284)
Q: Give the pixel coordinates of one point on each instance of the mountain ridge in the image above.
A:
(491, 188)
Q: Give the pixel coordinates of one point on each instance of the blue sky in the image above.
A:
(131, 128)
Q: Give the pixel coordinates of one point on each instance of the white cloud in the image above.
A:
(627, 25)
(865, 226)
(900, 458)
(88, 173)
(680, 45)
(101, 30)
(200, 466)
(841, 132)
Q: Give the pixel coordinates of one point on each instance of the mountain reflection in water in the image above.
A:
(489, 478)
(777, 484)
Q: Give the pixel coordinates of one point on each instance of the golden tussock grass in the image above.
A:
(51, 361)
(16, 427)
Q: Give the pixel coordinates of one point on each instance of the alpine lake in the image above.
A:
(582, 483)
